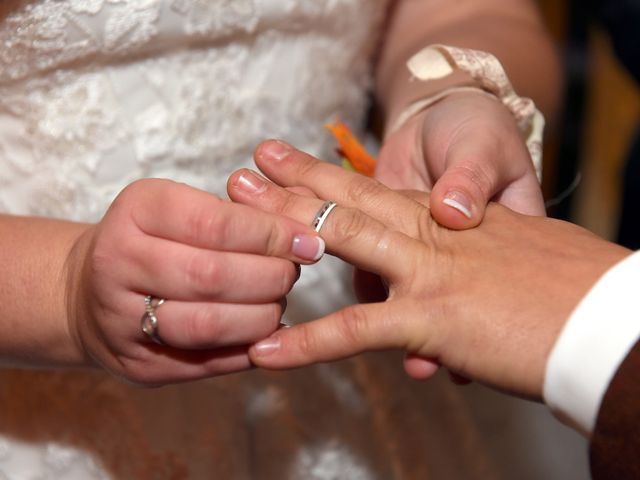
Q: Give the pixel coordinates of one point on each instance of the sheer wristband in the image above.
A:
(439, 61)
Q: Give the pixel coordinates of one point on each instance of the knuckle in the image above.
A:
(350, 225)
(203, 222)
(105, 256)
(426, 226)
(363, 190)
(285, 203)
(135, 196)
(306, 167)
(307, 342)
(136, 371)
(201, 327)
(352, 325)
(274, 241)
(203, 273)
(479, 174)
(432, 241)
(417, 223)
(135, 188)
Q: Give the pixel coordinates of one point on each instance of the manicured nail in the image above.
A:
(276, 150)
(459, 201)
(266, 347)
(308, 247)
(252, 183)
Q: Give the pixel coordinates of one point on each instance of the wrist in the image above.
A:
(34, 257)
(75, 297)
(408, 92)
(438, 63)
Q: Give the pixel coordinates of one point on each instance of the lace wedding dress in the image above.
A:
(97, 93)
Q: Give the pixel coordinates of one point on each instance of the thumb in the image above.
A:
(461, 194)
(459, 198)
(478, 170)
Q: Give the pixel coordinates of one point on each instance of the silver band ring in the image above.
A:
(149, 321)
(322, 215)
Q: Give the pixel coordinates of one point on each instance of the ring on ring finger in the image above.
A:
(322, 215)
(149, 321)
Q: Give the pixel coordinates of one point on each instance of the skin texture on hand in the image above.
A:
(199, 252)
(512, 31)
(465, 143)
(466, 150)
(487, 303)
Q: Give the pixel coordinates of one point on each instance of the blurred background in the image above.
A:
(586, 152)
(591, 143)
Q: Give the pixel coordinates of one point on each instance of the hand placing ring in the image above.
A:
(149, 322)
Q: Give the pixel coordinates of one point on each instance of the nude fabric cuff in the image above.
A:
(440, 61)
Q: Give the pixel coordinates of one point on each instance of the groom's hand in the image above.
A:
(488, 302)
(466, 150)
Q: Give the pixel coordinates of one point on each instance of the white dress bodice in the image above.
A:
(97, 93)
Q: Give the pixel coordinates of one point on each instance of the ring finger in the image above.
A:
(200, 326)
(349, 233)
(290, 167)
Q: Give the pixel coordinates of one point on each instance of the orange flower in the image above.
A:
(351, 149)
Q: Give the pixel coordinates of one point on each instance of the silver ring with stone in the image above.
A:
(149, 321)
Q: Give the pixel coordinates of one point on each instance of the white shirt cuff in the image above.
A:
(594, 342)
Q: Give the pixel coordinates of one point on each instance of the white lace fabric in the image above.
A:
(97, 93)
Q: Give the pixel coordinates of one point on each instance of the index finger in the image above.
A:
(349, 233)
(183, 214)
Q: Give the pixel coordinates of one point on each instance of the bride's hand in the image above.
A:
(466, 148)
(488, 302)
(223, 269)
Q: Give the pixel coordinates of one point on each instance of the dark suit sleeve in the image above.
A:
(615, 444)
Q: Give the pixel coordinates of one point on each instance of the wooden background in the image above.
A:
(611, 116)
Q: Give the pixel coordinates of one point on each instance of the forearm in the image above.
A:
(34, 256)
(512, 31)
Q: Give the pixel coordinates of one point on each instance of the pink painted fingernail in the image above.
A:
(276, 150)
(308, 247)
(251, 183)
(266, 347)
(459, 201)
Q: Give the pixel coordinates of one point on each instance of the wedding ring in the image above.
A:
(322, 215)
(149, 322)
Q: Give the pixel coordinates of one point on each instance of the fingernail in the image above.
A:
(266, 347)
(252, 183)
(308, 247)
(459, 201)
(276, 150)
